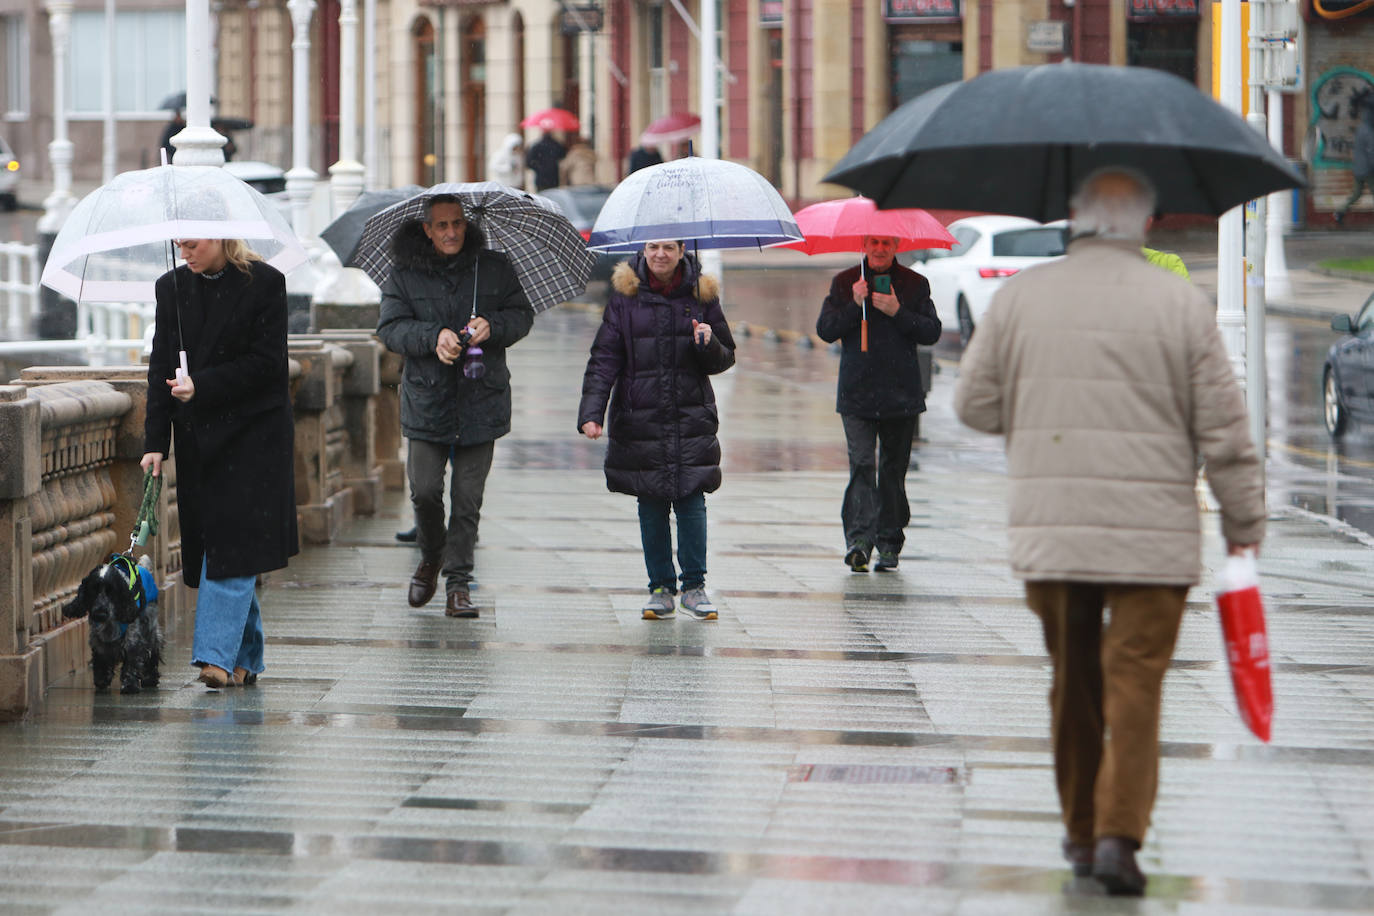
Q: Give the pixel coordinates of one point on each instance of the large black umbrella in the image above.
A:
(1018, 141)
(346, 231)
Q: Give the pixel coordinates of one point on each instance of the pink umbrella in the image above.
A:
(670, 129)
(840, 225)
(552, 119)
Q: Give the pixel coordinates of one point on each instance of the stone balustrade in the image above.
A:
(71, 486)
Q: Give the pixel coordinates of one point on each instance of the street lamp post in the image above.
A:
(56, 315)
(198, 143)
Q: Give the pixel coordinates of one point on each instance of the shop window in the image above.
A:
(918, 65)
(1167, 46)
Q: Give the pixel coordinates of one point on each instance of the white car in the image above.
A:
(9, 178)
(989, 249)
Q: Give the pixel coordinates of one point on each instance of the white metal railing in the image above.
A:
(107, 333)
(18, 287)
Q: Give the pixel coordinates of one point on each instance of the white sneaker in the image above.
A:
(660, 605)
(696, 604)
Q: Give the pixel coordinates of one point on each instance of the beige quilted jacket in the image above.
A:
(1108, 377)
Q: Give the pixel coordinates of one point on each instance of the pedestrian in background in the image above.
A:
(507, 165)
(1362, 155)
(662, 334)
(543, 159)
(230, 417)
(448, 295)
(1106, 375)
(579, 163)
(879, 393)
(643, 156)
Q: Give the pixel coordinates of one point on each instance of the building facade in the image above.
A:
(799, 81)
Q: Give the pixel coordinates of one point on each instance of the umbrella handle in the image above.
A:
(863, 336)
(182, 372)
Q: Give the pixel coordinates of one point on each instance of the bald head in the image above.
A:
(1115, 203)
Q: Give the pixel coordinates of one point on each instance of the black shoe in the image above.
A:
(407, 537)
(1114, 867)
(1078, 855)
(857, 558)
(886, 562)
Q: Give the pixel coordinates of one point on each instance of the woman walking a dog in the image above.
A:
(230, 417)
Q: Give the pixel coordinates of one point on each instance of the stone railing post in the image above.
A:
(358, 406)
(388, 413)
(322, 501)
(20, 479)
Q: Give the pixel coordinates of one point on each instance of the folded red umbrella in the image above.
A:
(1247, 647)
(552, 119)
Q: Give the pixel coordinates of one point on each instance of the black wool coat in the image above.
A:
(234, 440)
(644, 361)
(885, 381)
(428, 292)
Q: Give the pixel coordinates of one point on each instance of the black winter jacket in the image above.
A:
(885, 381)
(663, 419)
(428, 292)
(234, 439)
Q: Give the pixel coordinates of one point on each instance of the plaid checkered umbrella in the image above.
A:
(549, 256)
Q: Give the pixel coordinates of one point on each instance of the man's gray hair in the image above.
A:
(1114, 202)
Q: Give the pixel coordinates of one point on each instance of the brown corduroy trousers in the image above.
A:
(1105, 698)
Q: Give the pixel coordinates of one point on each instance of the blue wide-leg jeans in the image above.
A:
(228, 624)
(656, 536)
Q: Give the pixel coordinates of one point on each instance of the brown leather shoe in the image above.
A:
(459, 604)
(423, 583)
(1115, 869)
(215, 677)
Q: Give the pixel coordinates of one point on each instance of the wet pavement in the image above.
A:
(835, 743)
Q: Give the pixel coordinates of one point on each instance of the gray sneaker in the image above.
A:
(660, 605)
(697, 605)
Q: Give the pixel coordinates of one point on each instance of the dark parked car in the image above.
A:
(581, 204)
(1348, 378)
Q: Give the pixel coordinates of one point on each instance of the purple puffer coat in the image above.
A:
(663, 420)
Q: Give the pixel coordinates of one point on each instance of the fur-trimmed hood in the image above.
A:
(413, 250)
(629, 275)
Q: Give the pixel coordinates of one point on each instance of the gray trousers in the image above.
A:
(875, 511)
(452, 546)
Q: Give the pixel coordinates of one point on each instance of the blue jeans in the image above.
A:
(228, 624)
(657, 538)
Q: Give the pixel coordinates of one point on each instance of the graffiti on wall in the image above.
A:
(1335, 115)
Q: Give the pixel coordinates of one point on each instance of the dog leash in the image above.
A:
(146, 522)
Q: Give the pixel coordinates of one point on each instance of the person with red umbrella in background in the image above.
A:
(879, 311)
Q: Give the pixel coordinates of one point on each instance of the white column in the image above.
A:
(300, 180)
(710, 144)
(107, 172)
(1256, 387)
(346, 175)
(197, 143)
(1276, 262)
(60, 201)
(370, 52)
(1230, 292)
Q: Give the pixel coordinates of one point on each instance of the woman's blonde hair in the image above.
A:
(239, 254)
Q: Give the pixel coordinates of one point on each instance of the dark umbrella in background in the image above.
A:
(344, 233)
(1019, 140)
(177, 102)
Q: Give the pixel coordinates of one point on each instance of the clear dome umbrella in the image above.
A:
(117, 240)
